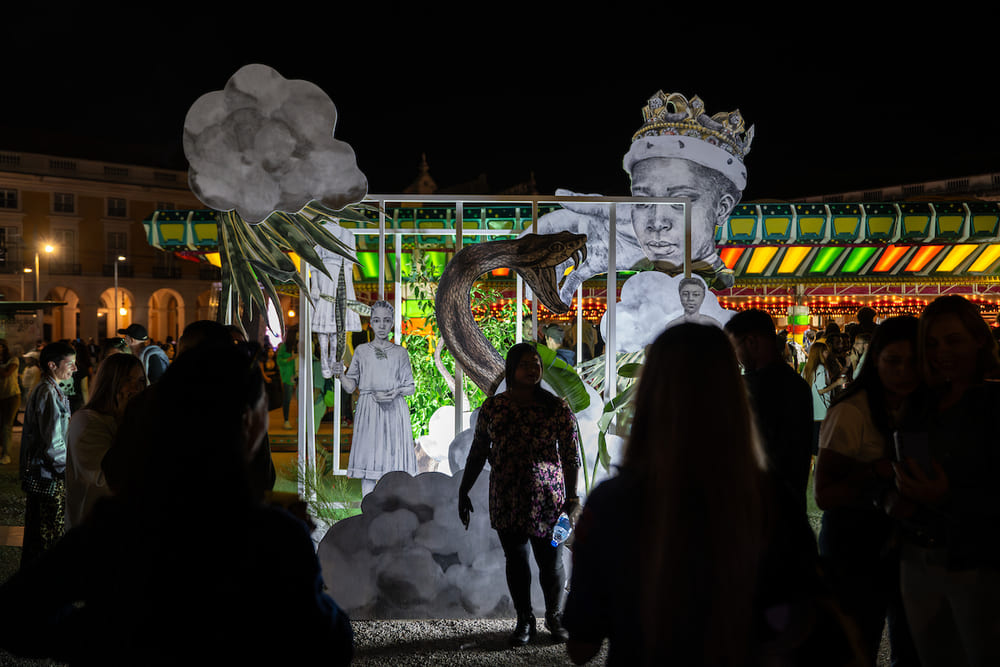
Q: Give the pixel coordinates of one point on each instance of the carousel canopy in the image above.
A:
(917, 241)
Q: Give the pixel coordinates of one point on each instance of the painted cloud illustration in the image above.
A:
(265, 143)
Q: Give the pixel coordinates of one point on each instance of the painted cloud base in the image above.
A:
(408, 556)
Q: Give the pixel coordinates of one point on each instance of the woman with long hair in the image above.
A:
(10, 399)
(529, 436)
(853, 470)
(183, 560)
(678, 558)
(43, 452)
(950, 560)
(92, 430)
(822, 373)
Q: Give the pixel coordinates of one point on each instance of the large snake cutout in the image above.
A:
(535, 257)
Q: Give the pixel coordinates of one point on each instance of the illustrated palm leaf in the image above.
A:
(255, 256)
(562, 378)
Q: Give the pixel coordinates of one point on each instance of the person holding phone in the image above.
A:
(852, 470)
(950, 559)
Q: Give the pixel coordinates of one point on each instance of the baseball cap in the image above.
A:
(136, 331)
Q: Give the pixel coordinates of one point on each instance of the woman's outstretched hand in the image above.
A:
(464, 508)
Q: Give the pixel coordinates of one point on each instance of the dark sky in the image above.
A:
(834, 109)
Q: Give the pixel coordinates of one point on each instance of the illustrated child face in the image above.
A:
(659, 228)
(381, 323)
(691, 298)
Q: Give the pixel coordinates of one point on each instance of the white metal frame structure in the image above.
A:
(307, 431)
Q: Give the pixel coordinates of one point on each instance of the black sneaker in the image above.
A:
(553, 623)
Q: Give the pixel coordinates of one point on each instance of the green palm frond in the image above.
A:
(254, 257)
(563, 379)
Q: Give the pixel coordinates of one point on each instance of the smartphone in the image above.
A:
(914, 445)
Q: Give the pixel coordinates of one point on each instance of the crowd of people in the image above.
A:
(698, 550)
(124, 561)
(699, 547)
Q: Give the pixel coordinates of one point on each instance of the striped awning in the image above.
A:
(760, 242)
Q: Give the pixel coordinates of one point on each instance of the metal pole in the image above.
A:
(459, 397)
(610, 345)
(307, 430)
(116, 296)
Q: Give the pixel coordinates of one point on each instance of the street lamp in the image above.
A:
(120, 258)
(48, 249)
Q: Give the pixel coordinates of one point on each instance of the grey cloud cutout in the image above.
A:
(265, 143)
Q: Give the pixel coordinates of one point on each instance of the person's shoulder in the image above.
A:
(792, 377)
(849, 405)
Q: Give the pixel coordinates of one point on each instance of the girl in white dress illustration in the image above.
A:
(380, 370)
(324, 292)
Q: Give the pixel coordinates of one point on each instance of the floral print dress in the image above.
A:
(527, 447)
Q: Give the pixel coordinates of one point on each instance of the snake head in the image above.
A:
(539, 255)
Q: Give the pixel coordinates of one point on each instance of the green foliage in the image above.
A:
(330, 498)
(563, 379)
(433, 388)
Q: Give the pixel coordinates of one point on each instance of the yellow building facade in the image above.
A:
(68, 226)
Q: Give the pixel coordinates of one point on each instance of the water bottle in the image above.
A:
(561, 530)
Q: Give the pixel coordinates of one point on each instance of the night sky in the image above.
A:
(834, 109)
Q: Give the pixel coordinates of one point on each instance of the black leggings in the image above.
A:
(551, 573)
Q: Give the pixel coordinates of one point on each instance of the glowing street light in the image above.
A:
(119, 258)
(49, 248)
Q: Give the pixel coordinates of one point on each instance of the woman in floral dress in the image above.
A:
(529, 436)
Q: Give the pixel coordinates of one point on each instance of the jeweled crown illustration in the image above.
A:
(674, 114)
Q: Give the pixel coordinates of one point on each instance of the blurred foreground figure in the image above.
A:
(183, 564)
(694, 554)
(950, 506)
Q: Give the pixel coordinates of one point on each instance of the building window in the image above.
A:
(117, 245)
(63, 202)
(10, 248)
(117, 207)
(64, 241)
(165, 206)
(8, 199)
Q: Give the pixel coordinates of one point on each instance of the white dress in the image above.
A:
(383, 436)
(324, 314)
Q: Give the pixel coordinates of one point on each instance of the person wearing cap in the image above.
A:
(554, 337)
(154, 359)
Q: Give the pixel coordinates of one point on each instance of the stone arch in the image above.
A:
(110, 312)
(61, 322)
(166, 314)
(207, 305)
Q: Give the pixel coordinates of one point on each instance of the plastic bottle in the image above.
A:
(561, 530)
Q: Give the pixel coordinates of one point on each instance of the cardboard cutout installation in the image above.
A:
(679, 151)
(264, 144)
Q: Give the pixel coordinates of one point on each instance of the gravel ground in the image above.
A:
(442, 643)
(454, 642)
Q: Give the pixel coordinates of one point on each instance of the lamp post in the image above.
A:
(38, 313)
(48, 249)
(120, 258)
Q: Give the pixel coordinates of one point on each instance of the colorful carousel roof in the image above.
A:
(925, 241)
